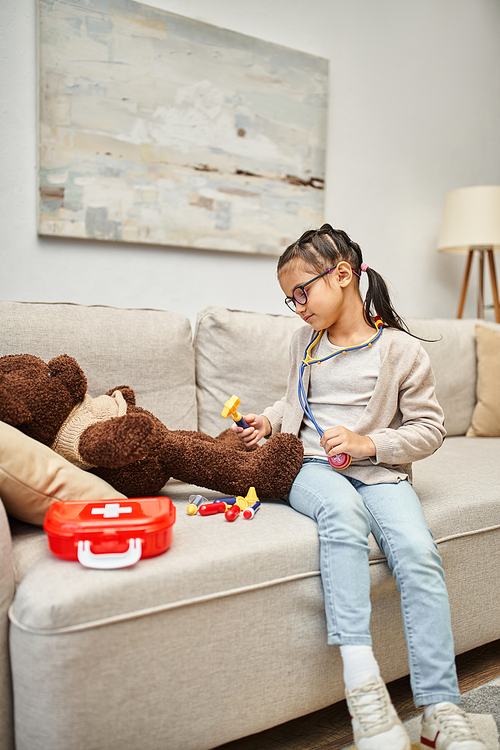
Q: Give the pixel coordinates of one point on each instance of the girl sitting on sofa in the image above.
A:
(361, 389)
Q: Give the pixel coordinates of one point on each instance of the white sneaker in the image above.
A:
(449, 728)
(375, 723)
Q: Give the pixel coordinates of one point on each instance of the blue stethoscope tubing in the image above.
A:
(307, 361)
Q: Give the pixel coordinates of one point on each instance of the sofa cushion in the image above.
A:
(455, 502)
(486, 416)
(453, 359)
(256, 552)
(149, 350)
(243, 354)
(32, 476)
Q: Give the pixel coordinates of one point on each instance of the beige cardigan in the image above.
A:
(403, 417)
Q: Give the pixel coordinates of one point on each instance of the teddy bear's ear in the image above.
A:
(70, 374)
(13, 411)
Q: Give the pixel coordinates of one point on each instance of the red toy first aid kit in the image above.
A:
(108, 534)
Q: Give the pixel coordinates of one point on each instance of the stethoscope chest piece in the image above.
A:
(339, 461)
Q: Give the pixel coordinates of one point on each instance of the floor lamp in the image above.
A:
(471, 224)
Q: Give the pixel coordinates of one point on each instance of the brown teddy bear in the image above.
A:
(129, 447)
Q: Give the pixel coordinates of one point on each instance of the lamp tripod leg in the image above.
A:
(465, 282)
(480, 286)
(494, 287)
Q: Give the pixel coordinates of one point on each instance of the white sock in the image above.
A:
(428, 710)
(359, 663)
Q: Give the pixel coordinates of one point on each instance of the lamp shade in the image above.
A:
(471, 219)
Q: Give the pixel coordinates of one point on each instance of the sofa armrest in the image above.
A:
(6, 597)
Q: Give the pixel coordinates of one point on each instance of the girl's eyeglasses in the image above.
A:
(299, 296)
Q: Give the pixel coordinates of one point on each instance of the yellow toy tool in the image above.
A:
(230, 409)
(242, 504)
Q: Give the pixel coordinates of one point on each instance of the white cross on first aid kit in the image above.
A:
(111, 510)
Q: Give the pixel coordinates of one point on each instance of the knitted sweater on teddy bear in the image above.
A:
(85, 414)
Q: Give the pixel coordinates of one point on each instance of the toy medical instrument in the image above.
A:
(230, 409)
(230, 506)
(216, 506)
(241, 504)
(339, 460)
(211, 509)
(233, 512)
(194, 503)
(251, 496)
(249, 513)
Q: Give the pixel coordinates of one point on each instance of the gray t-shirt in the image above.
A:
(339, 390)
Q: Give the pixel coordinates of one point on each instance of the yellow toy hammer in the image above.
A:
(230, 408)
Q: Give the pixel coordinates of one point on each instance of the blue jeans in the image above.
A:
(346, 511)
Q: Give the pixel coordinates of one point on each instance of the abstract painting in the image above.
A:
(160, 129)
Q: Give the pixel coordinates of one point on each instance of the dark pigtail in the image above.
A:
(378, 300)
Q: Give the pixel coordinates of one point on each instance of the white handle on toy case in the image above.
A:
(109, 561)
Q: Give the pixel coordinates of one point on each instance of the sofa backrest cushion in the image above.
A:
(149, 350)
(243, 354)
(453, 359)
(486, 415)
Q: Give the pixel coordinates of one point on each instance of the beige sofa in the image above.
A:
(223, 635)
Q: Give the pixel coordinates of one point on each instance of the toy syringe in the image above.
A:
(230, 409)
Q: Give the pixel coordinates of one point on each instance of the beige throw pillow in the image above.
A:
(486, 415)
(32, 476)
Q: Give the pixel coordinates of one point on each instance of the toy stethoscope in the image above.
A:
(340, 460)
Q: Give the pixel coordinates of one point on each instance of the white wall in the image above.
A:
(415, 112)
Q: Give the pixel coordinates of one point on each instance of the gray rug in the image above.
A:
(483, 706)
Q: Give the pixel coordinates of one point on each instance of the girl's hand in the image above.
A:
(341, 440)
(258, 427)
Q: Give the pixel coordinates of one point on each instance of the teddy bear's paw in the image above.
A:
(276, 464)
(118, 441)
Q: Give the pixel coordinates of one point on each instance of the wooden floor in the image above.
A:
(330, 728)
